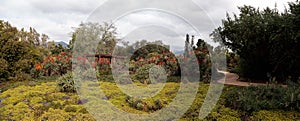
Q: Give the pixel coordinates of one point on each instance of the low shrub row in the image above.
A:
(266, 97)
(147, 106)
(41, 102)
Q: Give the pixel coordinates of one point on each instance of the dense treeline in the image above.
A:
(266, 41)
(20, 50)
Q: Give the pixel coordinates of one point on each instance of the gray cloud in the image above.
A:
(56, 18)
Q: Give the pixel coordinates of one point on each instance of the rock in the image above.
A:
(65, 98)
(31, 83)
(82, 101)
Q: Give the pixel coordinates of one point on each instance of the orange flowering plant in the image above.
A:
(54, 65)
(167, 60)
(100, 64)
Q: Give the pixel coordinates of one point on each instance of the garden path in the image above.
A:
(232, 79)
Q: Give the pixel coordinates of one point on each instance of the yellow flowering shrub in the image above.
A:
(46, 102)
(277, 115)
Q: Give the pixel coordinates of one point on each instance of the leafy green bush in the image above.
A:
(267, 41)
(267, 97)
(222, 113)
(20, 50)
(4, 72)
(20, 76)
(142, 74)
(41, 102)
(66, 83)
(277, 115)
(55, 115)
(174, 79)
(45, 102)
(145, 105)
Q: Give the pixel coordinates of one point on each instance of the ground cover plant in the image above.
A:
(36, 76)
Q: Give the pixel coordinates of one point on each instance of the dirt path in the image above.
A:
(232, 79)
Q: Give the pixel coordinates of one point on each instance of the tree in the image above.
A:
(187, 46)
(143, 48)
(44, 39)
(17, 54)
(34, 37)
(88, 34)
(266, 41)
(55, 49)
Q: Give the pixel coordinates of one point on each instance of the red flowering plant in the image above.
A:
(55, 65)
(166, 60)
(102, 65)
(86, 62)
(80, 61)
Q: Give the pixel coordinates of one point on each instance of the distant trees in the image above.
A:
(20, 50)
(54, 48)
(266, 41)
(143, 48)
(88, 34)
(202, 58)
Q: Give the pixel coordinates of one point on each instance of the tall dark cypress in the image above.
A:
(192, 42)
(186, 47)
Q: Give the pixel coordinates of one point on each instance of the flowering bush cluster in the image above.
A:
(204, 62)
(53, 65)
(166, 60)
(100, 64)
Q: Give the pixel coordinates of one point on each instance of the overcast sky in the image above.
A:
(57, 17)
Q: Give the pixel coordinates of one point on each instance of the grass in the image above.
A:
(12, 84)
(43, 101)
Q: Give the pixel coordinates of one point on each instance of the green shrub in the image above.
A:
(268, 97)
(66, 83)
(104, 77)
(174, 79)
(223, 114)
(41, 102)
(72, 108)
(4, 72)
(142, 74)
(24, 65)
(20, 76)
(277, 115)
(139, 106)
(149, 105)
(55, 115)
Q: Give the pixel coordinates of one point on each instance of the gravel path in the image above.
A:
(232, 79)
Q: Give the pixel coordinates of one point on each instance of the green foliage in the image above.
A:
(20, 76)
(203, 58)
(66, 83)
(55, 114)
(41, 102)
(55, 49)
(276, 115)
(20, 50)
(266, 41)
(144, 48)
(222, 113)
(45, 102)
(102, 35)
(142, 74)
(145, 105)
(233, 62)
(55, 64)
(173, 79)
(269, 97)
(4, 72)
